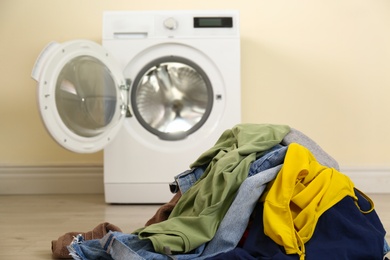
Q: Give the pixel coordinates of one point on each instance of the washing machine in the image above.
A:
(156, 94)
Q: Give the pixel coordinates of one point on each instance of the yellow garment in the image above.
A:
(301, 192)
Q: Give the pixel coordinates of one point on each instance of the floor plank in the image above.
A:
(29, 223)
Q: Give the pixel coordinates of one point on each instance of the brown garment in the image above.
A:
(164, 211)
(59, 246)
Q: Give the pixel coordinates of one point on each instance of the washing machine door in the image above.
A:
(82, 94)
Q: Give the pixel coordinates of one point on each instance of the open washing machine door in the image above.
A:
(82, 94)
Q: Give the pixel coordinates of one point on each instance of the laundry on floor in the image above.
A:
(261, 192)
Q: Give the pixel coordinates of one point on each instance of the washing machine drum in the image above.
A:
(172, 97)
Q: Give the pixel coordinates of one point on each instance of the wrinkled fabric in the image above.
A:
(300, 194)
(123, 246)
(237, 218)
(164, 211)
(197, 215)
(233, 225)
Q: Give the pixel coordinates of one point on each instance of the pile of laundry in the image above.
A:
(261, 192)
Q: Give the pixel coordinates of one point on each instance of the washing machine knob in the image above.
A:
(170, 23)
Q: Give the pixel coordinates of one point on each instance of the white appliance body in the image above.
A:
(138, 164)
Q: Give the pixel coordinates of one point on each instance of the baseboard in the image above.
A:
(89, 179)
(51, 180)
(369, 179)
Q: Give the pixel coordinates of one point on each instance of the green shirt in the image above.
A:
(196, 217)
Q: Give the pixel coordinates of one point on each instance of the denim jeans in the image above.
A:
(120, 246)
(273, 157)
(386, 248)
(187, 179)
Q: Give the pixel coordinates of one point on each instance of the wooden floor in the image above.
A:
(29, 223)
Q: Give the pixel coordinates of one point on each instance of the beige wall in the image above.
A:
(320, 66)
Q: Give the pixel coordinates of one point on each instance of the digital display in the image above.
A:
(213, 22)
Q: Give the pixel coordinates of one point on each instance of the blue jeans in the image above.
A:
(187, 179)
(120, 246)
(386, 248)
(273, 157)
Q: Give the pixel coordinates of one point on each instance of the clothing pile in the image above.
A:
(261, 192)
